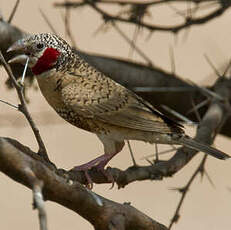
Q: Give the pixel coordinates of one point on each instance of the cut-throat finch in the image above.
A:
(89, 100)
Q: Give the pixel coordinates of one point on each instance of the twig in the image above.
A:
(209, 178)
(189, 22)
(138, 50)
(68, 31)
(157, 153)
(7, 103)
(13, 11)
(173, 148)
(134, 40)
(23, 108)
(212, 65)
(206, 92)
(195, 110)
(176, 114)
(172, 59)
(131, 153)
(185, 190)
(149, 89)
(38, 201)
(198, 106)
(124, 2)
(227, 68)
(48, 21)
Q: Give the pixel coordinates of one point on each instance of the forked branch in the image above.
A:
(23, 108)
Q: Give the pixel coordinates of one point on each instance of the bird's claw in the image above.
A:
(89, 184)
(84, 169)
(100, 169)
(108, 175)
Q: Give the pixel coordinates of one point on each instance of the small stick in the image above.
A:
(13, 11)
(131, 153)
(23, 108)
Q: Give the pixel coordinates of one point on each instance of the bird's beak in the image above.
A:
(22, 58)
(19, 47)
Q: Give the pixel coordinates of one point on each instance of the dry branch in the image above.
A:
(19, 163)
(23, 108)
(189, 19)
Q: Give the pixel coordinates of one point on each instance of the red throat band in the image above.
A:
(46, 61)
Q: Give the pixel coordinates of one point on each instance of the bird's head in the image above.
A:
(45, 51)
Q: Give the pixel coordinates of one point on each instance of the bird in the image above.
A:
(90, 100)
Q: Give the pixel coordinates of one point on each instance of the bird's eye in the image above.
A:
(40, 46)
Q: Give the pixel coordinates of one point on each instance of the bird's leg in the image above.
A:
(100, 167)
(111, 148)
(90, 164)
(99, 163)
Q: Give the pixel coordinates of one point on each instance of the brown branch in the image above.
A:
(38, 201)
(68, 31)
(136, 48)
(188, 22)
(133, 3)
(23, 108)
(13, 11)
(19, 163)
(184, 191)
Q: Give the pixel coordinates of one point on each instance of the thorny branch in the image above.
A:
(23, 108)
(184, 190)
(189, 20)
(17, 160)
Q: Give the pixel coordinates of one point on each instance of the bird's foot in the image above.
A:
(99, 164)
(101, 168)
(84, 168)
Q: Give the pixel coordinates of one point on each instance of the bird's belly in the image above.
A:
(81, 122)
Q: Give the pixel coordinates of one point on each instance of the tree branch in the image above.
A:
(19, 163)
(188, 19)
(23, 108)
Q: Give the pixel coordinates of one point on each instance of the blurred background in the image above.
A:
(206, 206)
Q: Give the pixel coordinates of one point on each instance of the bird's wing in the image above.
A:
(113, 104)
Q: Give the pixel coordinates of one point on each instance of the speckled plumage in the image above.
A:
(88, 99)
(91, 101)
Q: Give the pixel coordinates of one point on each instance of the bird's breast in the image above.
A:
(51, 84)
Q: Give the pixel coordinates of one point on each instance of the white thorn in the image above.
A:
(24, 71)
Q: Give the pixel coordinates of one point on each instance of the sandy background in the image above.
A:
(205, 208)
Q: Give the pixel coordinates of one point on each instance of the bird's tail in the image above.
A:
(189, 142)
